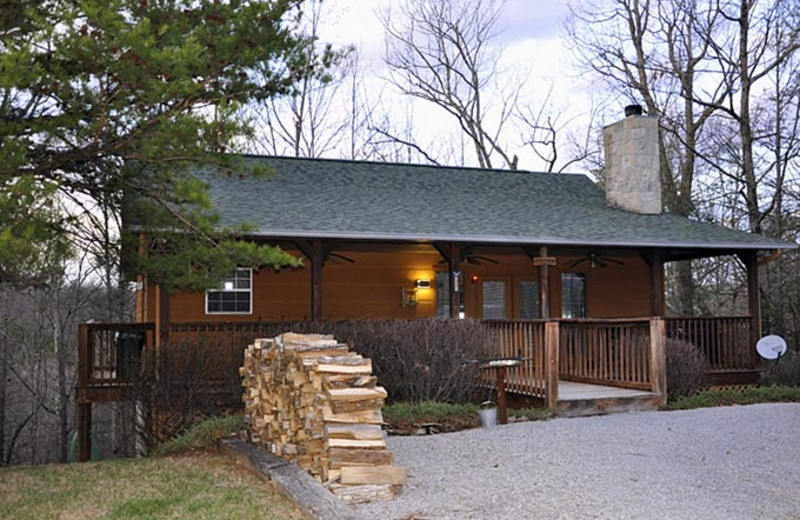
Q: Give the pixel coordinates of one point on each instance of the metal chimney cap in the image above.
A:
(633, 110)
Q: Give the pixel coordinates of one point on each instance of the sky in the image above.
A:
(530, 40)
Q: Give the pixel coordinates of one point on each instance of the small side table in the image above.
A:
(500, 365)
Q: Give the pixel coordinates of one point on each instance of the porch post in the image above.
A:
(750, 260)
(552, 343)
(544, 286)
(316, 251)
(655, 261)
(454, 262)
(317, 260)
(658, 358)
(657, 304)
(84, 443)
(163, 314)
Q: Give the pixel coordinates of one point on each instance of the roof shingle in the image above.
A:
(383, 201)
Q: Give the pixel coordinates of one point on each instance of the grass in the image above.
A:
(709, 398)
(206, 486)
(204, 436)
(407, 418)
(530, 414)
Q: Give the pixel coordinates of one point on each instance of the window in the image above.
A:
(442, 295)
(494, 300)
(529, 300)
(573, 295)
(234, 297)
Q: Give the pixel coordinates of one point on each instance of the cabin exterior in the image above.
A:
(569, 275)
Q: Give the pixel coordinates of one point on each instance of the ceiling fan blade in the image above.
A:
(576, 263)
(614, 261)
(486, 259)
(342, 257)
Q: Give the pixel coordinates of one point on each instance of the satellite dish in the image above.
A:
(771, 347)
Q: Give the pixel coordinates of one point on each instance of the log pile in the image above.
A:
(309, 399)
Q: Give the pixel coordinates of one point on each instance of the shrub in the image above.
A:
(415, 360)
(420, 360)
(709, 398)
(203, 436)
(194, 382)
(686, 369)
(783, 372)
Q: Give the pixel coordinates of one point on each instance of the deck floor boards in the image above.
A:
(571, 391)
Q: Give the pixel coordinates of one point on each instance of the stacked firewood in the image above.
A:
(310, 400)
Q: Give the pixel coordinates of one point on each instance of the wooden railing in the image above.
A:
(611, 352)
(725, 342)
(109, 352)
(522, 339)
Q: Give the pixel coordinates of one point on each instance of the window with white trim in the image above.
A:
(235, 295)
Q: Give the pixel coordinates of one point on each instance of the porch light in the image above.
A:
(422, 284)
(474, 278)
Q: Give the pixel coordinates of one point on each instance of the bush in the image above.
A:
(418, 360)
(686, 369)
(783, 372)
(195, 381)
(415, 360)
(710, 398)
(203, 436)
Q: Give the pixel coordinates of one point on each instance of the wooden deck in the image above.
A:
(570, 391)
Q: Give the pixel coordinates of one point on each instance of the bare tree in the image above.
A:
(307, 122)
(655, 52)
(441, 52)
(698, 65)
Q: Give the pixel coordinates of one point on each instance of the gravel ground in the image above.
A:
(740, 462)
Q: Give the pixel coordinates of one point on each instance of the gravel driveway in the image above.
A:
(740, 462)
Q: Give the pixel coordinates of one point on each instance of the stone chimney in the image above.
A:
(632, 176)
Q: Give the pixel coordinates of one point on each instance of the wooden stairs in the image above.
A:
(581, 399)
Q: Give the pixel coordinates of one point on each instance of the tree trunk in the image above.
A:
(745, 122)
(3, 378)
(686, 289)
(63, 392)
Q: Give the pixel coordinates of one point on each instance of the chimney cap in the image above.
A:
(633, 110)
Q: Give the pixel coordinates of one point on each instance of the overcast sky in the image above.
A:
(530, 41)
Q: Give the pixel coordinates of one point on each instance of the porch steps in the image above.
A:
(582, 399)
(606, 405)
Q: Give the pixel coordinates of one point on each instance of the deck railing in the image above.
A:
(611, 352)
(724, 341)
(522, 339)
(109, 352)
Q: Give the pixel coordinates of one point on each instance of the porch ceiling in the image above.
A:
(350, 200)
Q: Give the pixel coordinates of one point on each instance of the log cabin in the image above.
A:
(553, 262)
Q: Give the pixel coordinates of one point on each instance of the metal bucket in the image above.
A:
(488, 417)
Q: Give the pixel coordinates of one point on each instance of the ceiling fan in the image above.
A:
(595, 259)
(473, 259)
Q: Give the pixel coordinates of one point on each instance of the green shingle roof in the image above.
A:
(325, 198)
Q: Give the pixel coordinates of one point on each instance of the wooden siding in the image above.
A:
(370, 287)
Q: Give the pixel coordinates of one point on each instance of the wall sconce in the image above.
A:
(422, 284)
(408, 297)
